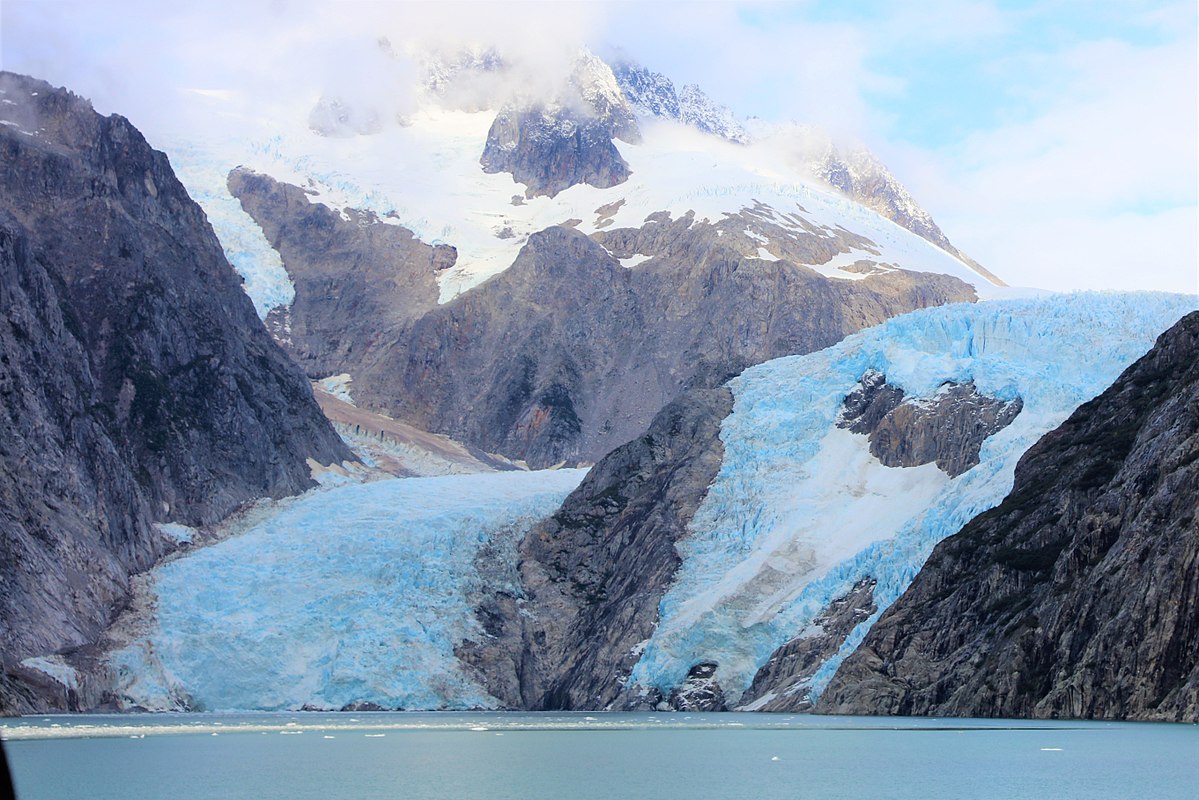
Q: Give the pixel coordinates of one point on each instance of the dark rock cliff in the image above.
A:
(355, 275)
(1078, 596)
(784, 681)
(594, 573)
(550, 149)
(138, 385)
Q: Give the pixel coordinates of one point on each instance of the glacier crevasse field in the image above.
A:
(354, 593)
(801, 511)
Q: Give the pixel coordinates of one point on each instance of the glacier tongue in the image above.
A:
(353, 594)
(801, 511)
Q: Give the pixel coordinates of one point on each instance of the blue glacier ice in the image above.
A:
(800, 511)
(357, 592)
(202, 170)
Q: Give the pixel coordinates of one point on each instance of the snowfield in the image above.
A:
(356, 593)
(426, 176)
(800, 510)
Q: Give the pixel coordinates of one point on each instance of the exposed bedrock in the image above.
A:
(359, 276)
(1078, 595)
(550, 149)
(138, 385)
(594, 573)
(783, 682)
(948, 428)
(552, 144)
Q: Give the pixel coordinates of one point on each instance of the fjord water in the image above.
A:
(447, 756)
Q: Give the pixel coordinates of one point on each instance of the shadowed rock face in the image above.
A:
(1075, 597)
(948, 428)
(359, 276)
(568, 354)
(782, 684)
(594, 573)
(138, 385)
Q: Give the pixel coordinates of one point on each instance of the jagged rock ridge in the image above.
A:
(654, 94)
(139, 386)
(1076, 597)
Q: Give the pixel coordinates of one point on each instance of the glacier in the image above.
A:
(353, 593)
(203, 172)
(800, 510)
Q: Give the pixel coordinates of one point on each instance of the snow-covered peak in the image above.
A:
(443, 70)
(596, 84)
(650, 93)
(852, 169)
(700, 111)
(653, 94)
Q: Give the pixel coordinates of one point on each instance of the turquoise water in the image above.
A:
(447, 756)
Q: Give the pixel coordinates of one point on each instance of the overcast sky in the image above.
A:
(1054, 141)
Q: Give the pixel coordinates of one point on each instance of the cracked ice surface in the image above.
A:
(800, 510)
(354, 593)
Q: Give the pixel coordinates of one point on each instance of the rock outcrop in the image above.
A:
(138, 385)
(784, 682)
(359, 275)
(593, 574)
(1077, 596)
(552, 144)
(948, 428)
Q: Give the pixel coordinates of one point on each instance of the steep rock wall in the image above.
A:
(1078, 595)
(138, 385)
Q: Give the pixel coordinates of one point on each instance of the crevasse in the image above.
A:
(800, 510)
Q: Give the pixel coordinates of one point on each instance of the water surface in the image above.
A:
(592, 756)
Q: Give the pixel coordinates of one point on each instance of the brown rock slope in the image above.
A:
(567, 354)
(1078, 596)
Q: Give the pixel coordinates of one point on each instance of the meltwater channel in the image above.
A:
(592, 756)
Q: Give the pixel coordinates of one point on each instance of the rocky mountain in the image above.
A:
(1076, 596)
(425, 260)
(568, 353)
(139, 386)
(734, 555)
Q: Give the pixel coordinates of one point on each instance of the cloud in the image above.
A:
(1016, 127)
(1106, 167)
